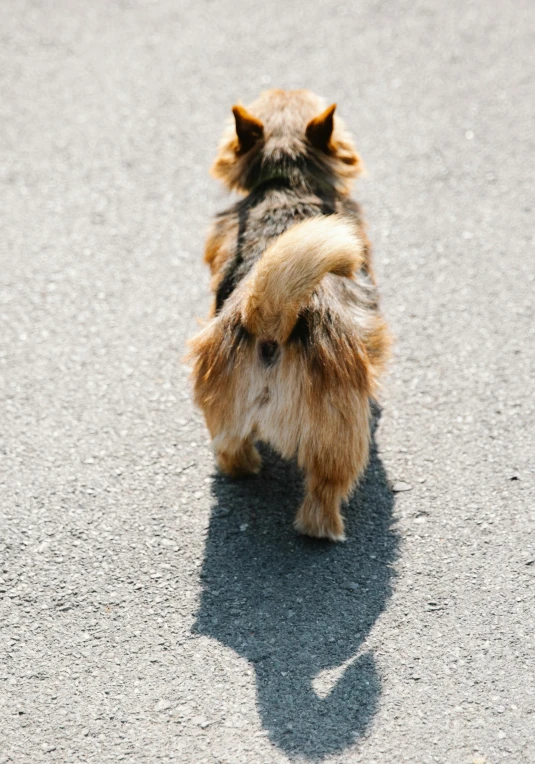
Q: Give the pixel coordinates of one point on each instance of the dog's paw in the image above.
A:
(313, 520)
(236, 464)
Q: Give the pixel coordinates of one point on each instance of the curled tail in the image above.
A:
(284, 278)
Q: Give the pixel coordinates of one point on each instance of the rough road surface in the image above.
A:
(153, 611)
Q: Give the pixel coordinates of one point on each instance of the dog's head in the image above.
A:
(286, 133)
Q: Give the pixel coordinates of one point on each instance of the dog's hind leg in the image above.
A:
(333, 458)
(235, 451)
(232, 431)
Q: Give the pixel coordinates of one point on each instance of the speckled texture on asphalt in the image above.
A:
(153, 611)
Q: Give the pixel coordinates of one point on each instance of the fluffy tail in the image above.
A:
(284, 278)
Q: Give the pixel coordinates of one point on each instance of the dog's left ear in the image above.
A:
(249, 129)
(320, 129)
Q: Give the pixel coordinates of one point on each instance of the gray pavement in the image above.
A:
(151, 610)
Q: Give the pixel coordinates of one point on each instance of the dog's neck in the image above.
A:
(294, 179)
(325, 193)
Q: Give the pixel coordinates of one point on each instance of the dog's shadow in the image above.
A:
(299, 609)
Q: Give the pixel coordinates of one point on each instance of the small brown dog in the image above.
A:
(295, 344)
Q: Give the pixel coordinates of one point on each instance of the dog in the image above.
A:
(295, 344)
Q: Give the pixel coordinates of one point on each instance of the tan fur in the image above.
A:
(291, 268)
(312, 401)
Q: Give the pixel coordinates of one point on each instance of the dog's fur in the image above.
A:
(295, 344)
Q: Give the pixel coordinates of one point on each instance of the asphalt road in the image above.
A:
(153, 611)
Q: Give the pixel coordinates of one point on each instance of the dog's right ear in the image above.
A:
(249, 129)
(320, 129)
